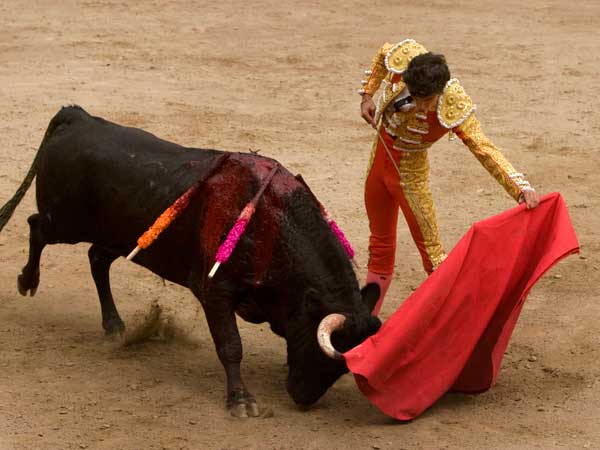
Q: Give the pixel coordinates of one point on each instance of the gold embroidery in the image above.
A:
(399, 56)
(378, 70)
(424, 130)
(454, 105)
(402, 125)
(489, 156)
(383, 70)
(372, 156)
(414, 179)
(409, 141)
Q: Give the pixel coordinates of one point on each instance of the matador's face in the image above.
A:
(425, 104)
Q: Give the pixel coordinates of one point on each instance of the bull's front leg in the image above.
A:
(100, 262)
(220, 315)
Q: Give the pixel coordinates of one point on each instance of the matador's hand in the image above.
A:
(530, 198)
(367, 110)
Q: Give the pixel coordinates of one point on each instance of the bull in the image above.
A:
(102, 183)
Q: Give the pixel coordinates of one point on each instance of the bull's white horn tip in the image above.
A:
(327, 326)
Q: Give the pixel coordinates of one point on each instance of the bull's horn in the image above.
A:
(327, 326)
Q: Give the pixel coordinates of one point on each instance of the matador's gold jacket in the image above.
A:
(455, 113)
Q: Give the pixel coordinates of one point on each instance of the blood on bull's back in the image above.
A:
(103, 183)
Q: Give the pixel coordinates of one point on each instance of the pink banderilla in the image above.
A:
(236, 232)
(339, 234)
(337, 231)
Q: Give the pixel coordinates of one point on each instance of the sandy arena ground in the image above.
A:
(281, 77)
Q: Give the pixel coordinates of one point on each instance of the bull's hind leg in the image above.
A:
(220, 316)
(29, 279)
(100, 261)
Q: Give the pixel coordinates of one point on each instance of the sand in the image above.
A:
(280, 77)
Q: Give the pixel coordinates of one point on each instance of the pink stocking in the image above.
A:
(384, 282)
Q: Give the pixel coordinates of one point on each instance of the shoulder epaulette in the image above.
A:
(454, 105)
(398, 57)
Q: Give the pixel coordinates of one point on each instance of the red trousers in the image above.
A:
(387, 190)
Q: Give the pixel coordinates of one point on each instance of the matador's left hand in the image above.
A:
(530, 198)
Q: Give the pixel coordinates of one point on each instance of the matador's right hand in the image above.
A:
(367, 110)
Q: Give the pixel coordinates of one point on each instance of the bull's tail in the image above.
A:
(9, 207)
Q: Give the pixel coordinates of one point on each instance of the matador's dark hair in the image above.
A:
(426, 74)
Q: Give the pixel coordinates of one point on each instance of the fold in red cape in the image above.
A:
(451, 333)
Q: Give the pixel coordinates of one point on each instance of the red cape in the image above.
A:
(451, 333)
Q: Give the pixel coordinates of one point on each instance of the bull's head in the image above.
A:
(311, 370)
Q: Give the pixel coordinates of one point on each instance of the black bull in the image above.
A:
(105, 184)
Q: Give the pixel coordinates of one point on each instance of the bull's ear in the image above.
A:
(370, 295)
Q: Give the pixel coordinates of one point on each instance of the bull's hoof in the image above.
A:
(242, 404)
(28, 283)
(113, 327)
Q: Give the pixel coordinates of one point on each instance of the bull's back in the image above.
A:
(101, 182)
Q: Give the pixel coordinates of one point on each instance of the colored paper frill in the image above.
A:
(226, 248)
(172, 212)
(339, 234)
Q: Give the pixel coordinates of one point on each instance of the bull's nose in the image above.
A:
(304, 408)
(303, 399)
(304, 402)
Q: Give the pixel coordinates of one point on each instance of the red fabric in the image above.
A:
(451, 333)
(383, 196)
